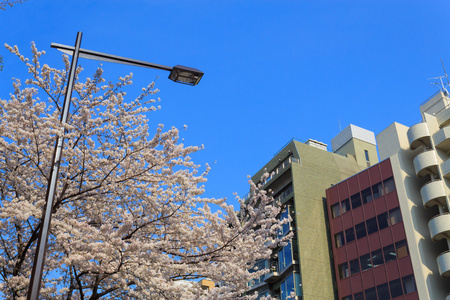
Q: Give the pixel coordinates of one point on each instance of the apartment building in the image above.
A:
(300, 174)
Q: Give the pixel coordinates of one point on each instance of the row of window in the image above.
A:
(373, 259)
(365, 196)
(368, 227)
(385, 291)
(292, 284)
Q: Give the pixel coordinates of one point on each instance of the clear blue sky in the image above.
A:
(273, 69)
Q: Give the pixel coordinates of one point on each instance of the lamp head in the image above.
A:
(186, 75)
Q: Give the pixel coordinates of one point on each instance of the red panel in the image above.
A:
(386, 237)
(353, 185)
(386, 169)
(356, 282)
(367, 277)
(336, 225)
(392, 270)
(345, 286)
(374, 241)
(380, 205)
(347, 221)
(364, 181)
(369, 210)
(342, 189)
(358, 215)
(340, 255)
(352, 253)
(412, 296)
(363, 246)
(392, 200)
(380, 275)
(405, 266)
(375, 175)
(398, 232)
(332, 195)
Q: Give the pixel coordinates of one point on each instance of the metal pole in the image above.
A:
(39, 258)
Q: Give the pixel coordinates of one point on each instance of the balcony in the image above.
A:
(419, 135)
(443, 262)
(448, 297)
(272, 276)
(433, 193)
(426, 163)
(440, 227)
(445, 167)
(442, 139)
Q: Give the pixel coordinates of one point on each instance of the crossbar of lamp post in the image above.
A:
(178, 74)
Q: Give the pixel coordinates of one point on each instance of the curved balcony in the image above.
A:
(445, 167)
(426, 163)
(440, 227)
(443, 262)
(419, 135)
(433, 193)
(442, 139)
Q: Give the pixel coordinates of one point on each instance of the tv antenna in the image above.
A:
(441, 82)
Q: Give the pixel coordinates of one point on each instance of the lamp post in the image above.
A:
(180, 74)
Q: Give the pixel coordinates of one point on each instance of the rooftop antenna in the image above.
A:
(441, 82)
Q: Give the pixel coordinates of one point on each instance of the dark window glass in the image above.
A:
(383, 291)
(389, 253)
(371, 294)
(366, 195)
(396, 288)
(356, 200)
(343, 270)
(347, 298)
(389, 185)
(372, 225)
(284, 215)
(383, 221)
(377, 258)
(366, 153)
(354, 266)
(409, 285)
(359, 296)
(335, 210)
(350, 235)
(345, 205)
(339, 238)
(395, 216)
(360, 230)
(377, 190)
(366, 263)
(402, 249)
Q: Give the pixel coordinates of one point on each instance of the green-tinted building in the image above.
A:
(300, 174)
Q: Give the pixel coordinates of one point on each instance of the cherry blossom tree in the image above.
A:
(6, 3)
(129, 220)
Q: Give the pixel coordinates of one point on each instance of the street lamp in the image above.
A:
(181, 74)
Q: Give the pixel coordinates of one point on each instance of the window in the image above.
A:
(371, 294)
(409, 285)
(366, 153)
(335, 210)
(350, 235)
(287, 286)
(402, 249)
(395, 216)
(343, 270)
(383, 221)
(347, 298)
(396, 288)
(389, 253)
(360, 230)
(356, 200)
(366, 195)
(345, 205)
(372, 225)
(377, 258)
(383, 291)
(285, 256)
(366, 262)
(359, 296)
(284, 215)
(260, 265)
(377, 190)
(339, 238)
(354, 266)
(389, 185)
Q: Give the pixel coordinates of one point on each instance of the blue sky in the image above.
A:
(273, 69)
